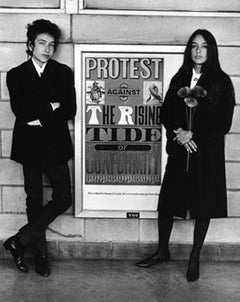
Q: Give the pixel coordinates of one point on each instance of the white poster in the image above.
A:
(119, 143)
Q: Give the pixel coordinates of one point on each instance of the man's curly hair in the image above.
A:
(41, 26)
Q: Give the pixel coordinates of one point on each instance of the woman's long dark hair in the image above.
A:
(211, 69)
(212, 65)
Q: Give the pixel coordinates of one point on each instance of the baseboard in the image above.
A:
(132, 251)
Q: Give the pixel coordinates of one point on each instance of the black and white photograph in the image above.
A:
(119, 151)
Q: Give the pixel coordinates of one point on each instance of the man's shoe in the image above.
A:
(157, 257)
(193, 270)
(41, 265)
(13, 245)
(20, 264)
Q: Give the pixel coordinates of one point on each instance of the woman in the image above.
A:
(196, 122)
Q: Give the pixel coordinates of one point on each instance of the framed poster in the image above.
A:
(119, 140)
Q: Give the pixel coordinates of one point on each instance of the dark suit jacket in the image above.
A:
(30, 98)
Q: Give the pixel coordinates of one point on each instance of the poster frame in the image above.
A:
(168, 53)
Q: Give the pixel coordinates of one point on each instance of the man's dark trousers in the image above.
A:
(39, 216)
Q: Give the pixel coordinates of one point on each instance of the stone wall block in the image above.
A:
(14, 200)
(236, 85)
(10, 172)
(17, 31)
(111, 230)
(1, 203)
(123, 251)
(7, 118)
(66, 227)
(225, 230)
(230, 66)
(148, 230)
(11, 223)
(6, 143)
(236, 120)
(232, 147)
(84, 250)
(64, 54)
(233, 175)
(229, 252)
(234, 203)
(11, 54)
(182, 231)
(4, 90)
(150, 29)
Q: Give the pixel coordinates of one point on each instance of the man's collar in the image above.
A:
(39, 69)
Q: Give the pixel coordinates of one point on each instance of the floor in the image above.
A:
(120, 281)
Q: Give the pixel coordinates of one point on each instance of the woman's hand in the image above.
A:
(184, 137)
(191, 146)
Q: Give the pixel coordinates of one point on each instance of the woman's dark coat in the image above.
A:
(202, 189)
(30, 98)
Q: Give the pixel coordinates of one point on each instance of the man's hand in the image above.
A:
(35, 123)
(55, 105)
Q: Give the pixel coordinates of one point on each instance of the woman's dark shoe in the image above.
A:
(41, 265)
(13, 245)
(157, 257)
(193, 270)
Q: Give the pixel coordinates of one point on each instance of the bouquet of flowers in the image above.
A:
(191, 98)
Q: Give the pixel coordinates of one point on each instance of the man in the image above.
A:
(42, 98)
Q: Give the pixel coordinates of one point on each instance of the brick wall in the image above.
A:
(112, 29)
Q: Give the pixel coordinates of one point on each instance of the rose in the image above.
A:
(199, 92)
(196, 92)
(184, 91)
(190, 102)
(191, 98)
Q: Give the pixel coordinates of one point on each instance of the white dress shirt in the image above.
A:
(195, 78)
(38, 68)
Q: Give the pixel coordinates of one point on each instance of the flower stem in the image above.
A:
(188, 157)
(189, 129)
(190, 120)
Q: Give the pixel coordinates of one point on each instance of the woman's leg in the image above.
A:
(162, 254)
(200, 231)
(165, 225)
